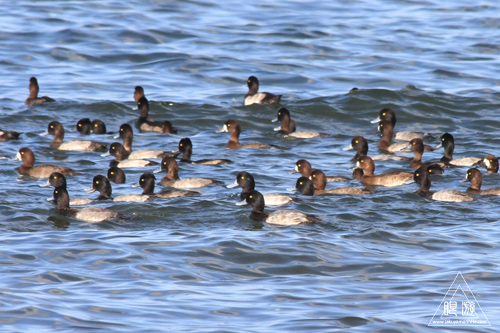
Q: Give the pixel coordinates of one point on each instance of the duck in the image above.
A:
(121, 160)
(247, 183)
(186, 149)
(305, 186)
(127, 134)
(233, 128)
(147, 183)
(448, 143)
(288, 126)
(33, 96)
(99, 127)
(423, 179)
(387, 114)
(138, 93)
(386, 129)
(87, 214)
(303, 167)
(27, 156)
(116, 175)
(56, 128)
(491, 163)
(254, 97)
(8, 135)
(57, 179)
(145, 123)
(319, 180)
(388, 179)
(474, 176)
(170, 166)
(417, 146)
(280, 217)
(101, 184)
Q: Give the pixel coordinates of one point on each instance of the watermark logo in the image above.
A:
(459, 307)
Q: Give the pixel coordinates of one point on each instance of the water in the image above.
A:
(381, 262)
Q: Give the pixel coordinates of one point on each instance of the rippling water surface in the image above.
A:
(382, 262)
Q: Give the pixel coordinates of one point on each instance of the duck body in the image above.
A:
(280, 217)
(233, 128)
(127, 134)
(247, 183)
(319, 180)
(448, 143)
(475, 178)
(422, 178)
(122, 159)
(33, 96)
(27, 156)
(254, 97)
(388, 179)
(288, 127)
(303, 167)
(146, 124)
(186, 149)
(172, 179)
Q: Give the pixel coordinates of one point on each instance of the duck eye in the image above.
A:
(418, 175)
(228, 125)
(55, 177)
(56, 192)
(314, 176)
(242, 177)
(112, 172)
(356, 141)
(299, 165)
(383, 114)
(251, 196)
(142, 179)
(22, 153)
(113, 147)
(362, 161)
(180, 144)
(97, 182)
(491, 161)
(301, 183)
(442, 139)
(279, 113)
(121, 129)
(79, 125)
(51, 126)
(95, 125)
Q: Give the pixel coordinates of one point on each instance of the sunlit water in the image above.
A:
(377, 263)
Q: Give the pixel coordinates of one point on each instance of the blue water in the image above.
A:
(381, 262)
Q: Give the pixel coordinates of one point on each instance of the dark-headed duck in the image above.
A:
(127, 134)
(448, 143)
(116, 175)
(247, 183)
(88, 214)
(417, 146)
(27, 156)
(389, 115)
(491, 163)
(288, 126)
(280, 217)
(304, 168)
(145, 123)
(186, 149)
(170, 166)
(33, 97)
(476, 179)
(388, 179)
(254, 97)
(121, 160)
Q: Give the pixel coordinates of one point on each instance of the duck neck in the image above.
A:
(33, 90)
(149, 187)
(234, 139)
(127, 142)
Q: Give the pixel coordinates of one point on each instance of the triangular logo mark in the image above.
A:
(459, 307)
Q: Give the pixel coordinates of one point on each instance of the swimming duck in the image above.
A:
(27, 156)
(145, 123)
(8, 135)
(84, 126)
(121, 160)
(116, 175)
(319, 180)
(491, 163)
(233, 128)
(280, 217)
(387, 130)
(254, 97)
(448, 143)
(417, 146)
(388, 179)
(288, 126)
(88, 214)
(127, 134)
(422, 178)
(304, 168)
(147, 183)
(359, 144)
(33, 97)
(305, 186)
(389, 115)
(247, 183)
(170, 166)
(101, 184)
(474, 176)
(56, 128)
(186, 149)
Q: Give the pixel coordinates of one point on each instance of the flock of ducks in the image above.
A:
(311, 182)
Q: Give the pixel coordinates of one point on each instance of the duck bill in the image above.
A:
(376, 120)
(233, 185)
(348, 148)
(274, 120)
(106, 154)
(291, 189)
(241, 203)
(89, 190)
(46, 184)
